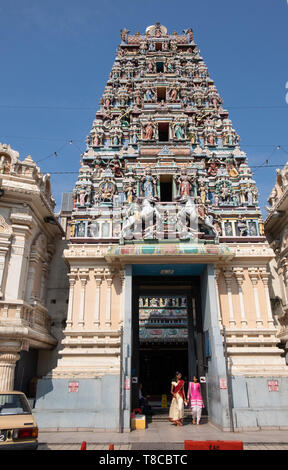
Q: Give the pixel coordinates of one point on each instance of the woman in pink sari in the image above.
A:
(176, 412)
(195, 398)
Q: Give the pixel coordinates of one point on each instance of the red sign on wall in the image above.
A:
(73, 386)
(223, 384)
(273, 386)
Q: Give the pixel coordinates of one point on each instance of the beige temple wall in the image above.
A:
(248, 316)
(85, 300)
(250, 327)
(92, 333)
(91, 342)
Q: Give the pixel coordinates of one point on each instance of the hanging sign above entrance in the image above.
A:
(163, 318)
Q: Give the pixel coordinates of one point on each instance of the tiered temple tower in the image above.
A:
(165, 194)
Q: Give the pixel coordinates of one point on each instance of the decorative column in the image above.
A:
(44, 280)
(228, 274)
(239, 274)
(264, 274)
(254, 276)
(7, 369)
(109, 280)
(5, 243)
(31, 280)
(72, 279)
(283, 279)
(37, 259)
(122, 308)
(98, 275)
(217, 272)
(83, 276)
(284, 266)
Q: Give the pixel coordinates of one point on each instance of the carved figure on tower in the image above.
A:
(149, 130)
(184, 184)
(148, 184)
(213, 165)
(116, 166)
(178, 130)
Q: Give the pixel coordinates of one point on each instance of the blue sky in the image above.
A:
(56, 57)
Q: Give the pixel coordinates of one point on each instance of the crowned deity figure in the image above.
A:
(130, 192)
(148, 184)
(202, 192)
(116, 166)
(149, 94)
(185, 184)
(213, 165)
(178, 130)
(231, 166)
(149, 130)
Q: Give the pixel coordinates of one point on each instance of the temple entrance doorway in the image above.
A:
(167, 336)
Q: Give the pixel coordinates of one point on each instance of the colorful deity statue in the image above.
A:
(148, 184)
(82, 196)
(149, 130)
(184, 184)
(231, 166)
(178, 130)
(124, 34)
(202, 192)
(149, 95)
(107, 189)
(213, 165)
(116, 166)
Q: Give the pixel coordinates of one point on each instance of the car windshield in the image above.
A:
(13, 404)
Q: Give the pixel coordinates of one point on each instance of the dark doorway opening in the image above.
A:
(173, 304)
(159, 67)
(166, 188)
(163, 131)
(161, 94)
(157, 367)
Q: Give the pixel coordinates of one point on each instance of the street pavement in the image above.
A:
(160, 435)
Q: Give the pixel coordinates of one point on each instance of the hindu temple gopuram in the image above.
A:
(166, 252)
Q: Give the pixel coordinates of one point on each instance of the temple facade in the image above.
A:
(166, 253)
(29, 235)
(276, 230)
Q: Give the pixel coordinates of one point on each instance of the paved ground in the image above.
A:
(160, 436)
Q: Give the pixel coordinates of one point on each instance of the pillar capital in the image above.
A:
(217, 272)
(83, 276)
(239, 274)
(98, 275)
(7, 368)
(228, 274)
(254, 275)
(109, 274)
(264, 274)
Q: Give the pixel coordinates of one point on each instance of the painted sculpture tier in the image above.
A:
(162, 158)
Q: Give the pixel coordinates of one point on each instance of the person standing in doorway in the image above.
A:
(195, 398)
(176, 412)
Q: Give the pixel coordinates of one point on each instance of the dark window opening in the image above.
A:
(159, 67)
(161, 94)
(163, 131)
(158, 46)
(166, 188)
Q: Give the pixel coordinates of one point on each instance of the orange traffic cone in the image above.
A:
(83, 445)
